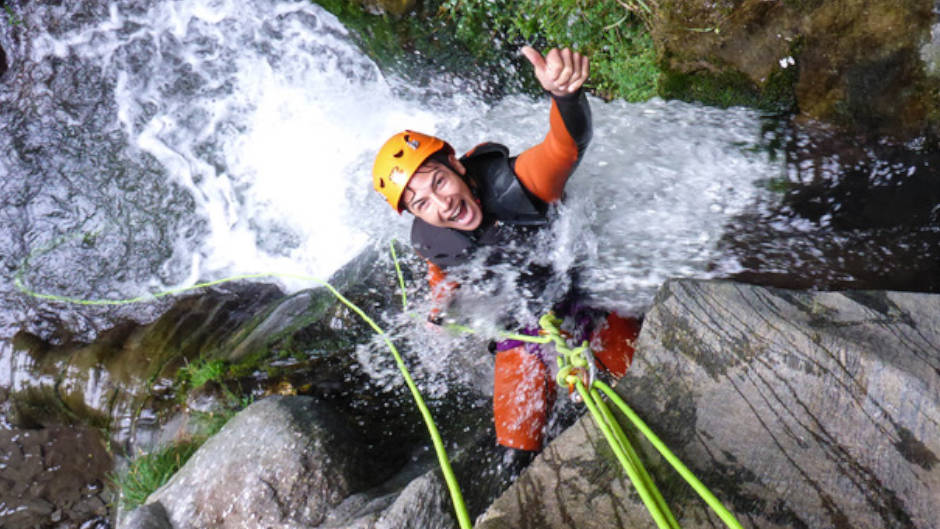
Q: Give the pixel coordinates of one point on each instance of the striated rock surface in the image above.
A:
(797, 409)
(865, 64)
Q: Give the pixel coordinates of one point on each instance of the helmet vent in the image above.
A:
(399, 154)
(382, 183)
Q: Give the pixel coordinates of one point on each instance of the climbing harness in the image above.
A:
(577, 370)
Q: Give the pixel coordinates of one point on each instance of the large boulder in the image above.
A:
(797, 408)
(870, 65)
(282, 462)
(291, 462)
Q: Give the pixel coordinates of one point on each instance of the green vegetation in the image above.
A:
(381, 36)
(149, 472)
(11, 17)
(198, 373)
(420, 45)
(732, 89)
(480, 41)
(612, 32)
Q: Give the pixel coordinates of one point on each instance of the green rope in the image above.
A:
(631, 466)
(684, 471)
(571, 359)
(463, 517)
(401, 278)
(645, 477)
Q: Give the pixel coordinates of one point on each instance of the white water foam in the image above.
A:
(269, 115)
(263, 112)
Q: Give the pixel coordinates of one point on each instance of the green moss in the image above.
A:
(722, 90)
(209, 423)
(248, 364)
(12, 19)
(419, 45)
(628, 73)
(381, 36)
(778, 93)
(776, 185)
(148, 472)
(732, 89)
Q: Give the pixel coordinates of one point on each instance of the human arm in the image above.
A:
(442, 291)
(544, 169)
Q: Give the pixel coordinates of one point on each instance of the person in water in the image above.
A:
(484, 198)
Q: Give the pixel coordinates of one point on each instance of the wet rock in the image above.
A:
(308, 344)
(293, 462)
(248, 334)
(282, 462)
(866, 214)
(858, 64)
(150, 516)
(797, 409)
(422, 504)
(130, 368)
(52, 477)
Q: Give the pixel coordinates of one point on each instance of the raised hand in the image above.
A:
(561, 72)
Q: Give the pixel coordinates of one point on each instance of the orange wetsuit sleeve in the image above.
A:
(544, 169)
(441, 289)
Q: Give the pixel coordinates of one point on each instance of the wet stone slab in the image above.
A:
(798, 409)
(54, 477)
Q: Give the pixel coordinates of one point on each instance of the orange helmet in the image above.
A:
(398, 160)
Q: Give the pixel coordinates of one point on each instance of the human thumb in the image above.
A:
(538, 62)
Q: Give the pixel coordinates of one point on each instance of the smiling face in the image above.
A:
(438, 196)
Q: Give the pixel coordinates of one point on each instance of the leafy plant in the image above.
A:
(479, 40)
(612, 32)
(147, 473)
(202, 371)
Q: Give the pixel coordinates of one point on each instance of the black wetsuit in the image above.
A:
(514, 192)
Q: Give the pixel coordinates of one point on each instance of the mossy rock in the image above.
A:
(858, 64)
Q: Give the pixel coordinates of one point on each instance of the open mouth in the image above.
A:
(460, 212)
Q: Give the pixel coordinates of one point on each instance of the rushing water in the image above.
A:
(149, 145)
(153, 144)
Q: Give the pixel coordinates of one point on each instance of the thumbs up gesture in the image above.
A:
(561, 72)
